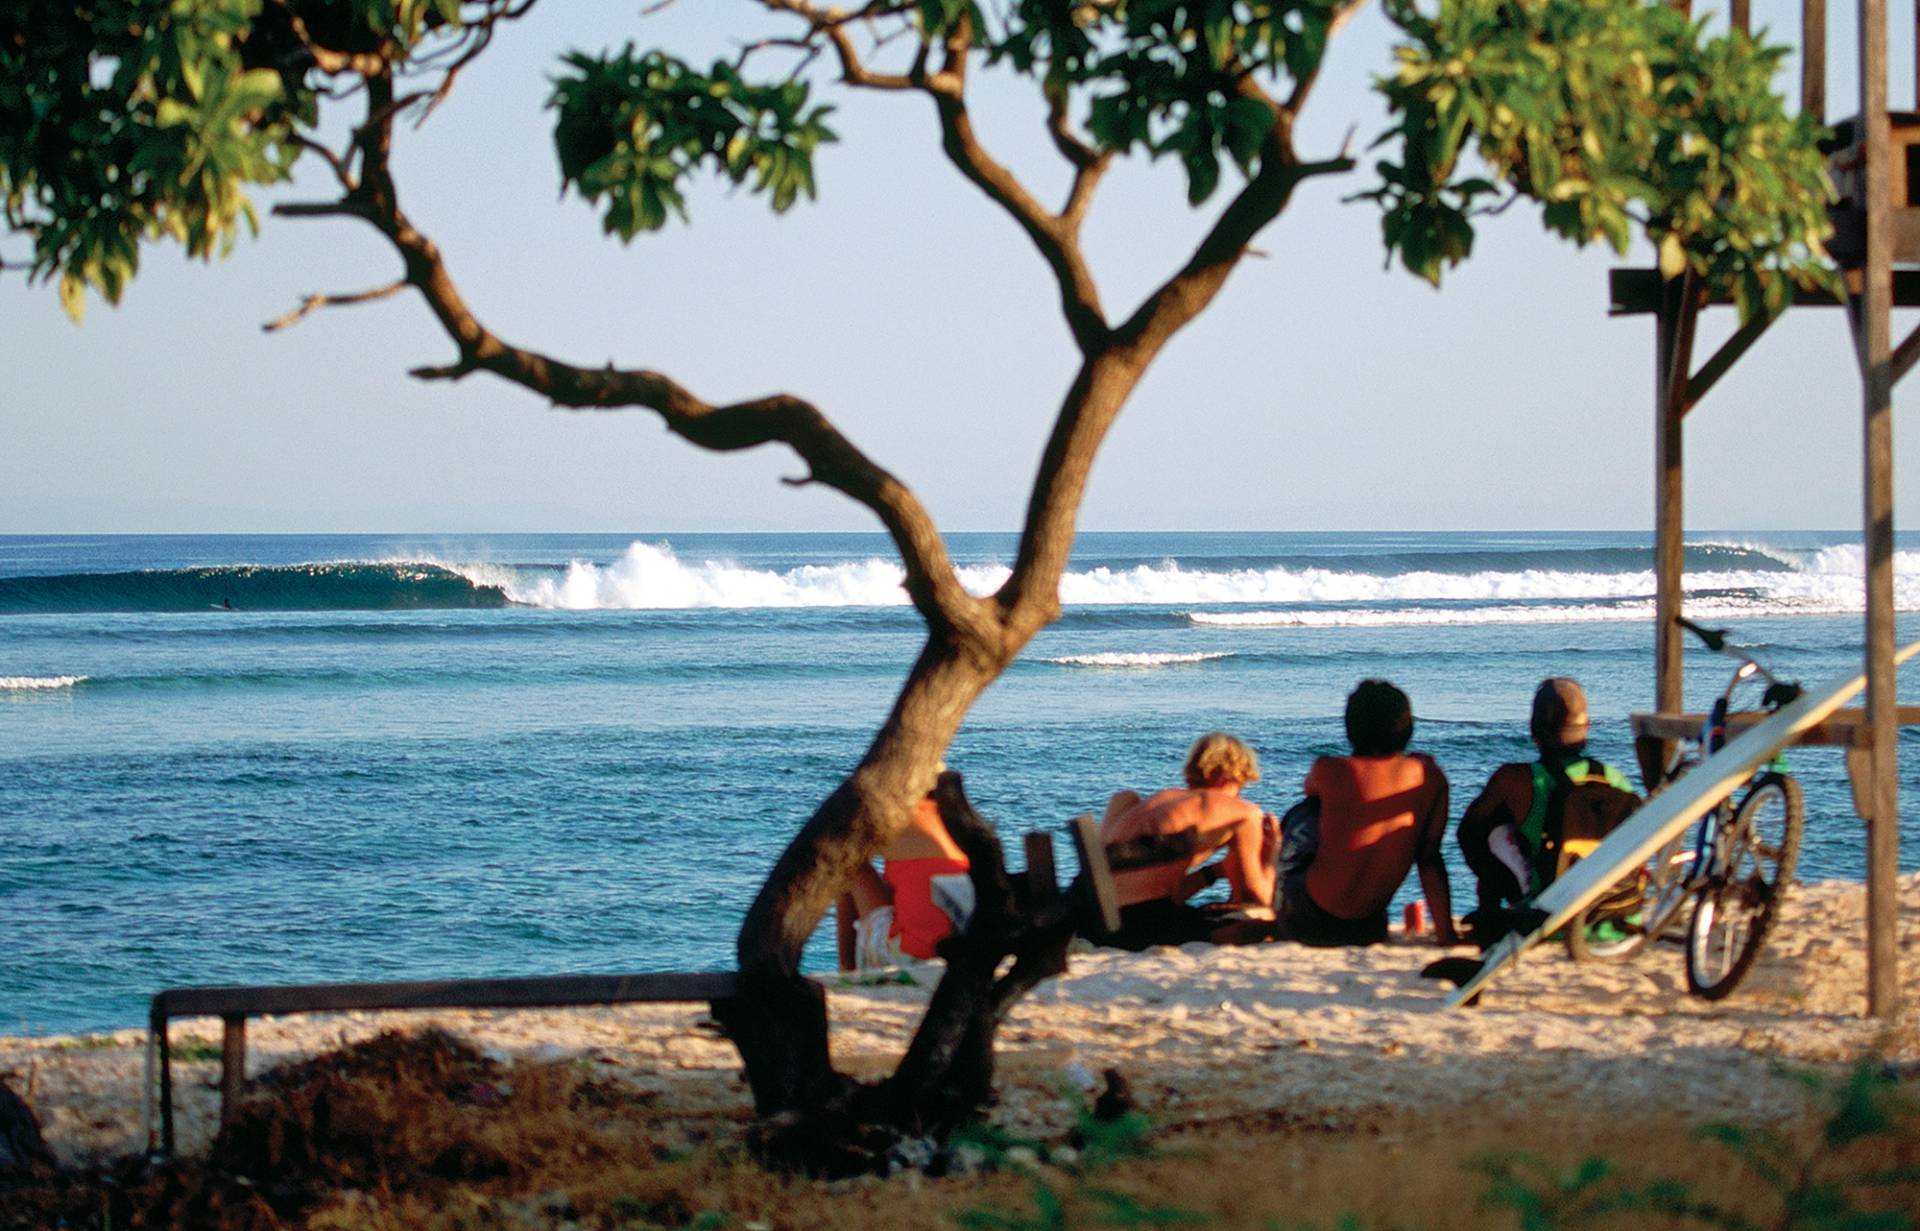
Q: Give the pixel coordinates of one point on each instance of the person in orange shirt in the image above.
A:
(1383, 812)
(915, 901)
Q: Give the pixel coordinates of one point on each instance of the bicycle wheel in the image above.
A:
(1615, 940)
(1735, 912)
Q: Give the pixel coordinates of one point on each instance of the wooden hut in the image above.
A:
(1876, 167)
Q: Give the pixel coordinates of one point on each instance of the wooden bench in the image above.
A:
(234, 1005)
(1100, 917)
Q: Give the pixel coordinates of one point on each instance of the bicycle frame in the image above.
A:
(1709, 860)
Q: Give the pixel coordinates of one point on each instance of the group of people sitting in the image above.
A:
(1324, 876)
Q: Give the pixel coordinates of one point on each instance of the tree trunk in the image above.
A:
(21, 1146)
(779, 1022)
(815, 1120)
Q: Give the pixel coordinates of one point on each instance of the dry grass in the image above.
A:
(423, 1133)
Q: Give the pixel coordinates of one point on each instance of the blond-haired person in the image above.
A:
(1153, 901)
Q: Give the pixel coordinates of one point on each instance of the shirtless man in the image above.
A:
(1153, 901)
(1383, 812)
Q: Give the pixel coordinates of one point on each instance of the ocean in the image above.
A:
(261, 759)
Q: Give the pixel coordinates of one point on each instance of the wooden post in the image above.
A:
(233, 1065)
(163, 1051)
(1875, 344)
(1043, 883)
(1671, 356)
(1813, 59)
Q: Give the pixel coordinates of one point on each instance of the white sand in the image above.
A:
(1302, 1037)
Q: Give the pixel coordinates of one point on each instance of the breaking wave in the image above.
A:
(1527, 583)
(651, 576)
(353, 585)
(36, 683)
(1122, 659)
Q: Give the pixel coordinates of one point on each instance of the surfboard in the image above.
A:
(1664, 818)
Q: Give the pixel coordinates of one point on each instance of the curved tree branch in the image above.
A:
(1031, 593)
(314, 303)
(831, 458)
(1057, 237)
(1089, 164)
(832, 23)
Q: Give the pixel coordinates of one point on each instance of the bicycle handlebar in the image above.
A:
(1779, 692)
(1714, 639)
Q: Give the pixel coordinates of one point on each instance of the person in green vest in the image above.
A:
(1503, 832)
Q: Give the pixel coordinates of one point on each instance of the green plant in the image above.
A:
(1817, 1185)
(87, 1042)
(1102, 1142)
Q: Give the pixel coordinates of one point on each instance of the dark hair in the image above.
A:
(1379, 719)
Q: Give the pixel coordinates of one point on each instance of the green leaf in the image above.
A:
(73, 298)
(1673, 256)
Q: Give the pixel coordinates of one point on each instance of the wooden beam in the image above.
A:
(1729, 354)
(1846, 728)
(1813, 59)
(1636, 292)
(1875, 337)
(1043, 882)
(233, 1066)
(158, 1040)
(1860, 779)
(1673, 355)
(1905, 355)
(552, 991)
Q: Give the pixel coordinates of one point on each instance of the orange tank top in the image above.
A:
(1371, 812)
(917, 920)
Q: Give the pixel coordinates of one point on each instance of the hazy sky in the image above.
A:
(1321, 390)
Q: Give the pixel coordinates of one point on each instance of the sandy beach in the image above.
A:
(1319, 1040)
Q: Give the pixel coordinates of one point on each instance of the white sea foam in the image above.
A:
(27, 683)
(1134, 660)
(652, 576)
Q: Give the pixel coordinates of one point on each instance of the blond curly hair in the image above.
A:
(1217, 758)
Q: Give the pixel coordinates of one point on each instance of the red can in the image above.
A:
(1415, 918)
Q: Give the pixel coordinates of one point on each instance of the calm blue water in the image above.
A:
(422, 756)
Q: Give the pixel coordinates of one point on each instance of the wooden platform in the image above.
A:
(1847, 729)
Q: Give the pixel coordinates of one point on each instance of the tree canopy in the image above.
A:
(138, 120)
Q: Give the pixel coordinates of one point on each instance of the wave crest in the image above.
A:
(346, 585)
(650, 576)
(1135, 660)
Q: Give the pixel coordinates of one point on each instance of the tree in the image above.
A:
(136, 120)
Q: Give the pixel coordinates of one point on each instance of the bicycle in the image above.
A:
(1735, 867)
